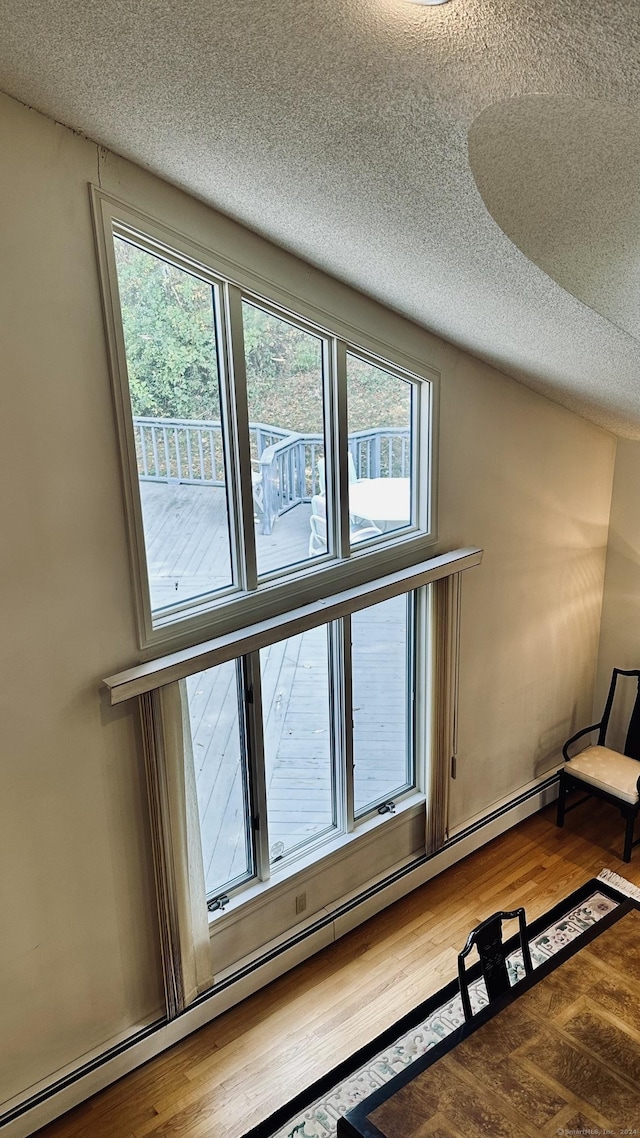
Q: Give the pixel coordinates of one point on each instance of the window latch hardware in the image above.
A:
(217, 902)
(387, 807)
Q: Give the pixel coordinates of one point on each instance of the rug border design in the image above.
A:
(607, 881)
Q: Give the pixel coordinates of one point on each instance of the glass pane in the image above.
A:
(382, 680)
(169, 334)
(380, 446)
(297, 740)
(221, 777)
(286, 428)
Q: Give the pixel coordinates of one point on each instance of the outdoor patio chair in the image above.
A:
(257, 489)
(605, 773)
(487, 937)
(358, 519)
(351, 466)
(318, 538)
(363, 530)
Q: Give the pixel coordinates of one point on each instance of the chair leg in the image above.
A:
(562, 792)
(628, 835)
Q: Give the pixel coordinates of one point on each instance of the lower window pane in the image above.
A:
(381, 689)
(297, 741)
(221, 777)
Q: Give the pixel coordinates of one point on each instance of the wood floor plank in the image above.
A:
(244, 1065)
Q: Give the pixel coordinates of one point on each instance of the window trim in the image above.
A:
(242, 641)
(233, 281)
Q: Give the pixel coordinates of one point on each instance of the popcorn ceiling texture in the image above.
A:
(349, 132)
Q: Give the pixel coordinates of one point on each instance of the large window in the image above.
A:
(263, 450)
(278, 478)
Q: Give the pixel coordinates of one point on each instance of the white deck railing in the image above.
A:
(190, 451)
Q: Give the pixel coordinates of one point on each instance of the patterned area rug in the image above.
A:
(319, 1119)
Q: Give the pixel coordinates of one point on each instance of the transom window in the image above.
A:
(265, 453)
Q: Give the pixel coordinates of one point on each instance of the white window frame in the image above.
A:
(276, 593)
(241, 622)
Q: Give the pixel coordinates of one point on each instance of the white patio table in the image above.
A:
(385, 501)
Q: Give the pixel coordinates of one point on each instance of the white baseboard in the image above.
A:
(37, 1109)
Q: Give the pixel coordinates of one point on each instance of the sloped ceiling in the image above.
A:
(474, 166)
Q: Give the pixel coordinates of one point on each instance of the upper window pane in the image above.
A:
(380, 447)
(168, 321)
(285, 401)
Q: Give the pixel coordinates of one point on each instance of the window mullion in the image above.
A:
(239, 436)
(413, 640)
(340, 466)
(253, 718)
(344, 720)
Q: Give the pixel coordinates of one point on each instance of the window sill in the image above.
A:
(324, 857)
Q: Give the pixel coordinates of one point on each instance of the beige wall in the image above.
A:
(620, 636)
(78, 960)
(531, 484)
(519, 476)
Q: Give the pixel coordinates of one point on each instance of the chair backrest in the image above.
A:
(351, 467)
(319, 505)
(487, 938)
(632, 742)
(362, 532)
(318, 538)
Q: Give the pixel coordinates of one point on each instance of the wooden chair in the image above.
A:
(487, 937)
(607, 774)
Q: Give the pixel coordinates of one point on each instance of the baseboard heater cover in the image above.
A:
(145, 1044)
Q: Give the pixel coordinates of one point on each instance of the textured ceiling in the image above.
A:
(471, 165)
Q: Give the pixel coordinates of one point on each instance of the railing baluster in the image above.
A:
(288, 460)
(154, 443)
(165, 441)
(176, 443)
(143, 448)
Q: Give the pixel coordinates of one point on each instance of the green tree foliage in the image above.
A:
(167, 316)
(169, 332)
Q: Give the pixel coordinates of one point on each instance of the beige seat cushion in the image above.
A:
(608, 770)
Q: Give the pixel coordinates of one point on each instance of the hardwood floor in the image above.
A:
(235, 1071)
(555, 1061)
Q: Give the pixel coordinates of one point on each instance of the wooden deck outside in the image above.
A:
(188, 553)
(187, 540)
